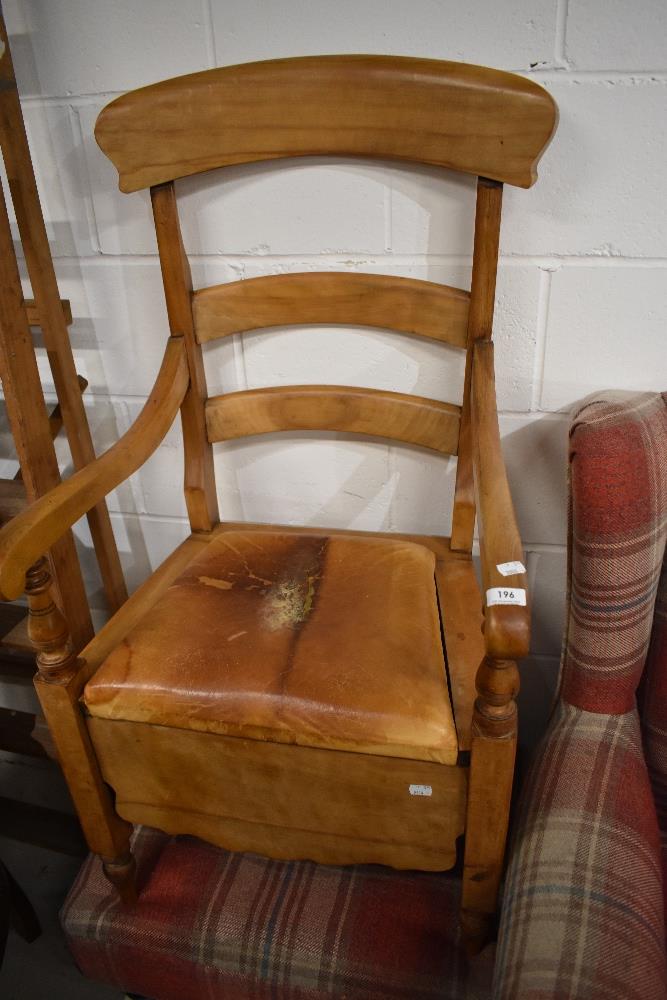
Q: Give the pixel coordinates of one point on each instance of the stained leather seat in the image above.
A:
(323, 641)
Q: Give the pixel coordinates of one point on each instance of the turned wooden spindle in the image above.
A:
(47, 629)
(492, 756)
(58, 687)
(497, 684)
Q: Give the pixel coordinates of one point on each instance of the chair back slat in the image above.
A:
(468, 118)
(406, 305)
(373, 412)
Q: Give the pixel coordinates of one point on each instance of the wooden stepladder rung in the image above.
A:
(13, 498)
(55, 426)
(34, 319)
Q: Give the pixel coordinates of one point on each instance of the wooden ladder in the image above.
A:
(34, 430)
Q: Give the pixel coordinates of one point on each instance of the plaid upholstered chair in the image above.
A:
(582, 911)
(583, 902)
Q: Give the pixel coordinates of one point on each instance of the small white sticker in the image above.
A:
(505, 595)
(510, 568)
(421, 790)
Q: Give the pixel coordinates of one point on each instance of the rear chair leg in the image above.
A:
(489, 793)
(58, 684)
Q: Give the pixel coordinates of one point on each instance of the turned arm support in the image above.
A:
(506, 627)
(31, 534)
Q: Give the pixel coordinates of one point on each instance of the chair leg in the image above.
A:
(58, 686)
(489, 792)
(122, 873)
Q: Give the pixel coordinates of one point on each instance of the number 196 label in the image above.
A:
(505, 595)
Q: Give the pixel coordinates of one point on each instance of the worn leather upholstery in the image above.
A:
(321, 641)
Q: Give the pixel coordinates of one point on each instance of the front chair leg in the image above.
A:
(58, 686)
(489, 792)
(122, 873)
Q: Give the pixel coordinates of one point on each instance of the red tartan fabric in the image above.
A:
(618, 530)
(582, 908)
(210, 924)
(583, 911)
(653, 707)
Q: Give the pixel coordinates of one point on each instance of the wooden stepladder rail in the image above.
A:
(26, 411)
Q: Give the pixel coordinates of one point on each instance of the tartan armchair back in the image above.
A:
(618, 470)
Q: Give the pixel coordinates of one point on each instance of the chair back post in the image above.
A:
(200, 491)
(480, 327)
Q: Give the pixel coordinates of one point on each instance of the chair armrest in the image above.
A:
(32, 533)
(582, 910)
(506, 626)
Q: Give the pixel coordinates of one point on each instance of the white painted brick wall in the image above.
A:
(582, 291)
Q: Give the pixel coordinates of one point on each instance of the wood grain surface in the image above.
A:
(407, 305)
(283, 801)
(350, 410)
(468, 118)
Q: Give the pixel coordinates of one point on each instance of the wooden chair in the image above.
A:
(286, 690)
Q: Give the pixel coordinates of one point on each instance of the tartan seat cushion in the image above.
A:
(212, 924)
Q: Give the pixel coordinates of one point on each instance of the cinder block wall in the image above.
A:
(582, 295)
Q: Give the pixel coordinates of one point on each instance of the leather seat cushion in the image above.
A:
(324, 641)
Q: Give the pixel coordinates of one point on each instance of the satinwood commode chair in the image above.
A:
(295, 692)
